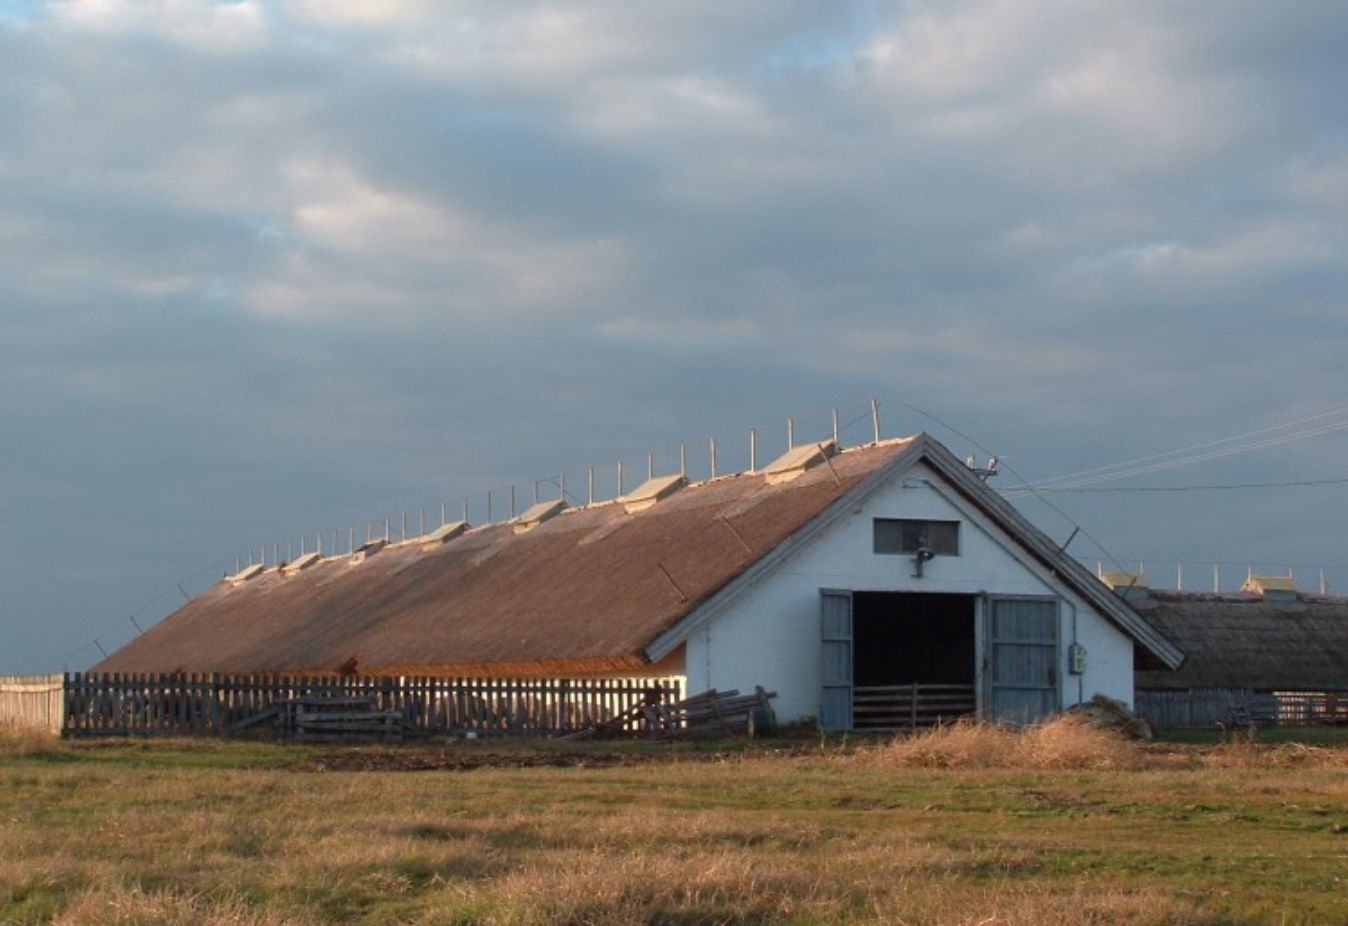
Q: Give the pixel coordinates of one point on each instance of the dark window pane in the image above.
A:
(905, 535)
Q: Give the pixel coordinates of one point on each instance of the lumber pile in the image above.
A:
(320, 719)
(708, 713)
(330, 719)
(712, 712)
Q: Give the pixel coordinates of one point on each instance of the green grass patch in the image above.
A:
(1322, 735)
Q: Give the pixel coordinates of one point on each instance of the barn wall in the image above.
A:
(769, 634)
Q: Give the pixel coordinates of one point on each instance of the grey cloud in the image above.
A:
(327, 261)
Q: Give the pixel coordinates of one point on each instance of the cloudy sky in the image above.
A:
(270, 268)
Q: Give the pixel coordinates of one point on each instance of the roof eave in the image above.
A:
(925, 447)
(1072, 573)
(676, 634)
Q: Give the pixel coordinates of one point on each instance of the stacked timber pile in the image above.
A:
(320, 719)
(713, 711)
(708, 713)
(330, 719)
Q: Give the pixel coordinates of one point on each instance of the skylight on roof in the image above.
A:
(652, 491)
(246, 573)
(536, 514)
(367, 549)
(299, 564)
(444, 533)
(797, 460)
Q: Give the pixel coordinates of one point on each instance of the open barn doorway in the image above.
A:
(913, 658)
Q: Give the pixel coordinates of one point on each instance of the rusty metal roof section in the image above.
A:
(571, 594)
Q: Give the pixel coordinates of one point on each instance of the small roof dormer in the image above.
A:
(537, 513)
(1130, 586)
(246, 573)
(798, 460)
(1271, 588)
(652, 491)
(301, 563)
(367, 549)
(443, 534)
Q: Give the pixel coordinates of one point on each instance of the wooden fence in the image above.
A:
(112, 704)
(1302, 707)
(1208, 707)
(892, 707)
(31, 701)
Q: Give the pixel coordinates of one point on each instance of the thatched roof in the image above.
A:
(581, 592)
(1243, 641)
(602, 589)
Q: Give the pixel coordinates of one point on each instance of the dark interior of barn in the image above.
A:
(905, 637)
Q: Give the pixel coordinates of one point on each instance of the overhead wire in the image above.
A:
(1210, 450)
(1301, 483)
(1064, 515)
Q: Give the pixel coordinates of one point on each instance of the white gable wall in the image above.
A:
(769, 634)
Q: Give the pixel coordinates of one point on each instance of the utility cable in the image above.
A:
(1068, 518)
(1161, 460)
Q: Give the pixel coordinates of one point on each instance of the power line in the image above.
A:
(1024, 482)
(1206, 445)
(1201, 488)
(1159, 461)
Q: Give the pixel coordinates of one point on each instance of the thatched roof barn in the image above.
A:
(1249, 641)
(827, 576)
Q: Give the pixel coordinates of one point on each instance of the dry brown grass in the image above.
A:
(1068, 741)
(1246, 752)
(18, 740)
(128, 905)
(144, 833)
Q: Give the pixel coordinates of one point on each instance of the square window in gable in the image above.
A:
(905, 536)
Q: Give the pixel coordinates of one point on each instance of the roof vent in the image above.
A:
(538, 513)
(246, 573)
(652, 491)
(1130, 586)
(299, 564)
(797, 460)
(367, 549)
(444, 533)
(1271, 588)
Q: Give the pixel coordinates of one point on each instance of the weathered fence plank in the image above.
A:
(35, 701)
(890, 707)
(91, 704)
(1208, 707)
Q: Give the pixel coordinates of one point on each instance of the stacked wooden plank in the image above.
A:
(711, 712)
(894, 707)
(336, 719)
(32, 701)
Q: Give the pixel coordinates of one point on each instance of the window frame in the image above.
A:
(925, 539)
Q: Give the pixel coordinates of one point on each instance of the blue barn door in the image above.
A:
(835, 675)
(1022, 659)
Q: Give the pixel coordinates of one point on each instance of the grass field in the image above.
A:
(250, 833)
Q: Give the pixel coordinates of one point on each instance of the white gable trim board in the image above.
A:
(992, 617)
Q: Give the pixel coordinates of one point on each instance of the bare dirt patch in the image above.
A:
(467, 759)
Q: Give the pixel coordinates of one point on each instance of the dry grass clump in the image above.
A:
(1067, 741)
(19, 740)
(1244, 752)
(131, 906)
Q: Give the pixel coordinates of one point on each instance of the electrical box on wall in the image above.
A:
(1076, 659)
